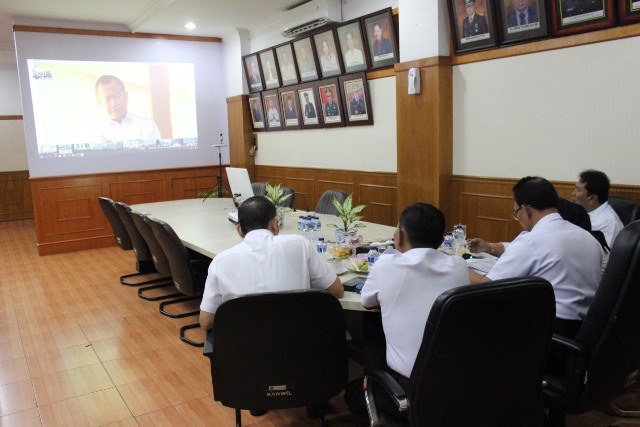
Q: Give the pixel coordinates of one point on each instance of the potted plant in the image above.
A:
(349, 215)
(275, 194)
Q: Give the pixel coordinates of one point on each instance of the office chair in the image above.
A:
(480, 362)
(325, 204)
(259, 188)
(289, 202)
(278, 350)
(627, 210)
(603, 360)
(144, 263)
(188, 271)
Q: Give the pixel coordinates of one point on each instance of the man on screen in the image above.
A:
(121, 125)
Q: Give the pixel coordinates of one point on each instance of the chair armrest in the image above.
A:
(208, 344)
(568, 344)
(390, 386)
(562, 390)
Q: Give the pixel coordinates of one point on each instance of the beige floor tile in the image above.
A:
(13, 370)
(128, 344)
(61, 360)
(145, 365)
(54, 340)
(16, 397)
(201, 412)
(72, 383)
(11, 349)
(89, 410)
(28, 418)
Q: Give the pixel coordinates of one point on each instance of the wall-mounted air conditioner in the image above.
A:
(309, 16)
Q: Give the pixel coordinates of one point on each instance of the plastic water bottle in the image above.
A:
(448, 243)
(459, 241)
(301, 224)
(373, 254)
(321, 246)
(318, 225)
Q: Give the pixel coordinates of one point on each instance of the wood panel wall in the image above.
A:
(15, 196)
(68, 215)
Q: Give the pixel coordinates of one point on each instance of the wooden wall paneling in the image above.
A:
(15, 196)
(304, 188)
(241, 137)
(138, 191)
(381, 203)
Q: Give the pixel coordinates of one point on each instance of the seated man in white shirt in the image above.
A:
(550, 247)
(592, 192)
(263, 262)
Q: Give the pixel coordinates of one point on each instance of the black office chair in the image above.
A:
(259, 188)
(188, 271)
(603, 360)
(325, 204)
(289, 202)
(144, 263)
(278, 350)
(627, 210)
(480, 362)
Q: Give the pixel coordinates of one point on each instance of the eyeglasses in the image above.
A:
(515, 212)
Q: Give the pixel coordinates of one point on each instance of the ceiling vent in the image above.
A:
(309, 16)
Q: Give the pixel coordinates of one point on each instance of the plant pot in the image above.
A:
(280, 216)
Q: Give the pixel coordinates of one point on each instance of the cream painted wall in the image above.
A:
(551, 114)
(13, 149)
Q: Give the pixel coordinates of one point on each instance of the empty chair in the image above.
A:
(603, 360)
(278, 350)
(188, 271)
(289, 202)
(325, 204)
(144, 263)
(627, 210)
(481, 359)
(259, 188)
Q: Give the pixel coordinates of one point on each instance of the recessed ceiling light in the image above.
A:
(190, 26)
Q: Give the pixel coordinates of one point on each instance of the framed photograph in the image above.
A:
(252, 71)
(472, 24)
(269, 69)
(329, 97)
(309, 111)
(628, 11)
(354, 55)
(330, 61)
(271, 107)
(381, 38)
(357, 102)
(287, 65)
(257, 113)
(306, 59)
(579, 16)
(290, 108)
(522, 20)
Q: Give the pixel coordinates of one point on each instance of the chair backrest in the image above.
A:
(187, 272)
(612, 325)
(325, 204)
(482, 356)
(289, 202)
(627, 210)
(119, 231)
(259, 188)
(140, 247)
(279, 350)
(143, 225)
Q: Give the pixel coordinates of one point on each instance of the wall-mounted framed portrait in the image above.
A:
(329, 97)
(327, 49)
(269, 69)
(472, 24)
(252, 72)
(522, 20)
(350, 40)
(356, 99)
(257, 113)
(306, 59)
(290, 108)
(271, 107)
(309, 106)
(628, 11)
(381, 38)
(579, 16)
(287, 64)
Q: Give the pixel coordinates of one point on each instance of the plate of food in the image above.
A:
(358, 265)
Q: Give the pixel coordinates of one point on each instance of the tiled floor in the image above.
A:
(79, 349)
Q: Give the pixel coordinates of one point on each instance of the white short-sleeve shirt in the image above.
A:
(605, 219)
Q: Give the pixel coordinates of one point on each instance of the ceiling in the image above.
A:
(215, 18)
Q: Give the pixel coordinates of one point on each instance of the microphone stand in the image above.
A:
(218, 186)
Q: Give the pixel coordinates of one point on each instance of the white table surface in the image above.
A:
(203, 226)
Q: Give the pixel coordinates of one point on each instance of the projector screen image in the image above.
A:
(86, 108)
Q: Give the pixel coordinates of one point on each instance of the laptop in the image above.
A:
(241, 188)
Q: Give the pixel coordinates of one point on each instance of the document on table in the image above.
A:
(481, 265)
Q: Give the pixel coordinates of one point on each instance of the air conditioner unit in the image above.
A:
(309, 16)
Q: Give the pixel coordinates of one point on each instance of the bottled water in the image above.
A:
(459, 241)
(373, 254)
(301, 224)
(321, 246)
(448, 243)
(318, 225)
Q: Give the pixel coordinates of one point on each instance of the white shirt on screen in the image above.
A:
(133, 127)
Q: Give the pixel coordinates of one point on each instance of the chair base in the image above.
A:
(167, 283)
(187, 340)
(124, 281)
(635, 413)
(177, 301)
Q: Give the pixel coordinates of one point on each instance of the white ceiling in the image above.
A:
(215, 18)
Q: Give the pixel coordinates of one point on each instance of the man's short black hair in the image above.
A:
(423, 225)
(255, 214)
(596, 182)
(106, 79)
(536, 192)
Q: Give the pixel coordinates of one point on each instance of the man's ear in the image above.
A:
(239, 230)
(273, 225)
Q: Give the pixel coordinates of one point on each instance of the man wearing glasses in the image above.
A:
(552, 248)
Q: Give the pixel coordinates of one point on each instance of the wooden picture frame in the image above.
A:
(253, 73)
(287, 64)
(522, 20)
(329, 97)
(291, 118)
(257, 112)
(356, 99)
(580, 16)
(328, 55)
(352, 47)
(628, 11)
(472, 24)
(306, 59)
(381, 38)
(272, 111)
(269, 66)
(310, 109)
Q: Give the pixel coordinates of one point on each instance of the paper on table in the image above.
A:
(481, 265)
